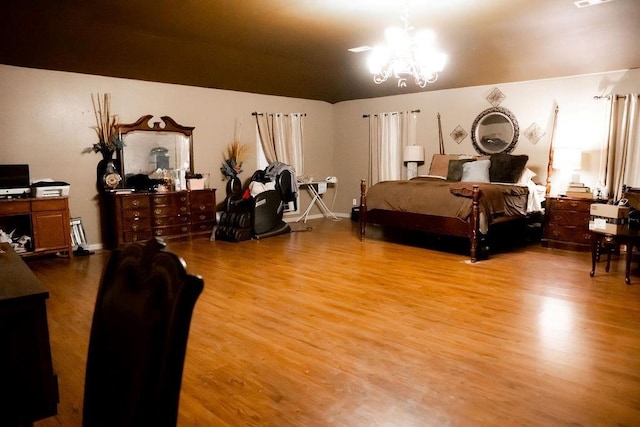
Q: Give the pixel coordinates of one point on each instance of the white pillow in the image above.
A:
(477, 171)
(527, 175)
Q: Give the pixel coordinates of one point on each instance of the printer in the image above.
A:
(49, 188)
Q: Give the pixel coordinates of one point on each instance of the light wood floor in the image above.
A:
(319, 329)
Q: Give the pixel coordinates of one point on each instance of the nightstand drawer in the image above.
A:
(569, 204)
(574, 234)
(567, 217)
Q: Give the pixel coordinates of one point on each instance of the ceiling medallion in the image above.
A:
(405, 56)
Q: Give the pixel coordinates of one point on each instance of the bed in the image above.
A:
(463, 196)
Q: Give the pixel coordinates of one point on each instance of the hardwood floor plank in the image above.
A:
(320, 329)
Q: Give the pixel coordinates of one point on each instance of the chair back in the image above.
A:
(138, 338)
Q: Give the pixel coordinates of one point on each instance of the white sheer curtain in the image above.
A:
(389, 133)
(621, 163)
(282, 138)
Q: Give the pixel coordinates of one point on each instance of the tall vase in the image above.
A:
(107, 173)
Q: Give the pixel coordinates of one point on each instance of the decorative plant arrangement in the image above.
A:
(106, 127)
(232, 164)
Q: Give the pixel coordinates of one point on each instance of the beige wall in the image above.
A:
(46, 119)
(581, 122)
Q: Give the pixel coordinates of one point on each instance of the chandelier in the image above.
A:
(404, 56)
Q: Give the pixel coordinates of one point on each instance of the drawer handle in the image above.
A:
(134, 226)
(184, 229)
(135, 203)
(183, 209)
(203, 217)
(136, 214)
(158, 211)
(202, 207)
(183, 199)
(158, 233)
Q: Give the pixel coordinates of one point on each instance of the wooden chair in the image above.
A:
(138, 338)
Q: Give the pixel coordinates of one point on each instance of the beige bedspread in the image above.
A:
(435, 196)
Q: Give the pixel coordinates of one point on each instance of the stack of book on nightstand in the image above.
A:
(577, 190)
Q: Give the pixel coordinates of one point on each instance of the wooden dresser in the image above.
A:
(566, 223)
(173, 215)
(46, 220)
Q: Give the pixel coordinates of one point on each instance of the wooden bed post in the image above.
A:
(440, 140)
(474, 225)
(363, 208)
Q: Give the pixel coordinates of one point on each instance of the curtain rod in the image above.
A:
(364, 116)
(255, 113)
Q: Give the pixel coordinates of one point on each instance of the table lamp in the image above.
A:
(412, 154)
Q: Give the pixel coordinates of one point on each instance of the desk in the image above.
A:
(28, 386)
(629, 237)
(315, 192)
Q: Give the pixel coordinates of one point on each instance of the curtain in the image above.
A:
(622, 152)
(389, 133)
(281, 137)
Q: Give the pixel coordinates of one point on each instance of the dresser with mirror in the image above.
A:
(152, 199)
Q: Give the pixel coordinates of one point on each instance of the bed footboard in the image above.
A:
(428, 223)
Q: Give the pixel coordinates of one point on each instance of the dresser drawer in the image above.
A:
(203, 197)
(48, 205)
(202, 226)
(160, 210)
(202, 216)
(137, 236)
(130, 202)
(136, 224)
(171, 230)
(14, 207)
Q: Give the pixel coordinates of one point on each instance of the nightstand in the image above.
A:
(566, 223)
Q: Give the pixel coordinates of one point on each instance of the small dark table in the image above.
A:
(627, 236)
(28, 385)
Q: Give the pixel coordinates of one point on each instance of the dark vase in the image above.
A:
(107, 172)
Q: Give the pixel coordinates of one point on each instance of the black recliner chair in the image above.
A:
(246, 217)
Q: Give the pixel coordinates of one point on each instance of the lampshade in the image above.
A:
(413, 153)
(567, 158)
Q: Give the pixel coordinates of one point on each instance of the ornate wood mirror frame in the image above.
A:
(495, 130)
(151, 146)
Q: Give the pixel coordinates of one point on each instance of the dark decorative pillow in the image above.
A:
(455, 169)
(506, 167)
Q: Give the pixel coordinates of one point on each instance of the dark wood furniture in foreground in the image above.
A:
(566, 224)
(606, 243)
(45, 220)
(173, 215)
(28, 386)
(426, 223)
(139, 338)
